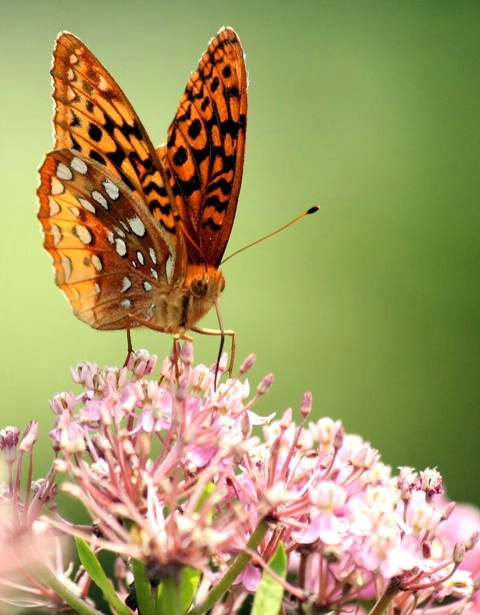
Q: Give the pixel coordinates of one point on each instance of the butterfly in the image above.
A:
(137, 234)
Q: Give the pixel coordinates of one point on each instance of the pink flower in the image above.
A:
(29, 547)
(130, 444)
(173, 477)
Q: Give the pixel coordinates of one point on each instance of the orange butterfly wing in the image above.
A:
(132, 236)
(94, 117)
(205, 149)
(110, 259)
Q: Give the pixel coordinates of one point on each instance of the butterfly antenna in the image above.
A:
(312, 210)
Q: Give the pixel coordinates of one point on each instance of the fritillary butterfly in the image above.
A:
(137, 234)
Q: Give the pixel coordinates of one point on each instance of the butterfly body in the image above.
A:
(137, 234)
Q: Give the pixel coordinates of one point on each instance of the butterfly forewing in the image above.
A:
(205, 147)
(94, 117)
(136, 235)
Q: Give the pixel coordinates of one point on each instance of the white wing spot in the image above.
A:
(96, 262)
(73, 58)
(63, 172)
(147, 286)
(140, 258)
(66, 266)
(97, 288)
(79, 166)
(56, 233)
(86, 205)
(126, 284)
(70, 75)
(137, 226)
(110, 237)
(134, 264)
(74, 210)
(102, 84)
(126, 303)
(56, 186)
(121, 247)
(170, 267)
(71, 95)
(119, 231)
(97, 196)
(83, 234)
(111, 189)
(154, 273)
(153, 255)
(53, 206)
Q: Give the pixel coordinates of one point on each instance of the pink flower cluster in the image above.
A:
(173, 476)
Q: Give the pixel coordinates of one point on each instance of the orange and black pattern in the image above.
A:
(137, 234)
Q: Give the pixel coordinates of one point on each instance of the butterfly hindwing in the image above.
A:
(110, 260)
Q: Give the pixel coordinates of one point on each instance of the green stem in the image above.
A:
(386, 599)
(142, 588)
(77, 604)
(232, 573)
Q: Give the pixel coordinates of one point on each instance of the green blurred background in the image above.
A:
(370, 109)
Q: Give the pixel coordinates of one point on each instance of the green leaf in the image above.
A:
(176, 593)
(268, 598)
(98, 576)
(190, 581)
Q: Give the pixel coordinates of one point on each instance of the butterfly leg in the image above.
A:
(176, 356)
(129, 343)
(176, 350)
(222, 333)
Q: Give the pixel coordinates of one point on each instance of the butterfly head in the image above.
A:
(205, 282)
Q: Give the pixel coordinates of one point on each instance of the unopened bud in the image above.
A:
(30, 436)
(246, 365)
(448, 511)
(286, 419)
(265, 385)
(339, 437)
(472, 540)
(459, 552)
(306, 406)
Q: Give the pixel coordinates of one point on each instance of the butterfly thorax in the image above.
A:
(183, 307)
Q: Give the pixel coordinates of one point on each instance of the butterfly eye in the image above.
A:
(199, 286)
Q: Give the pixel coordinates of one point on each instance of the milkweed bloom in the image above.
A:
(174, 477)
